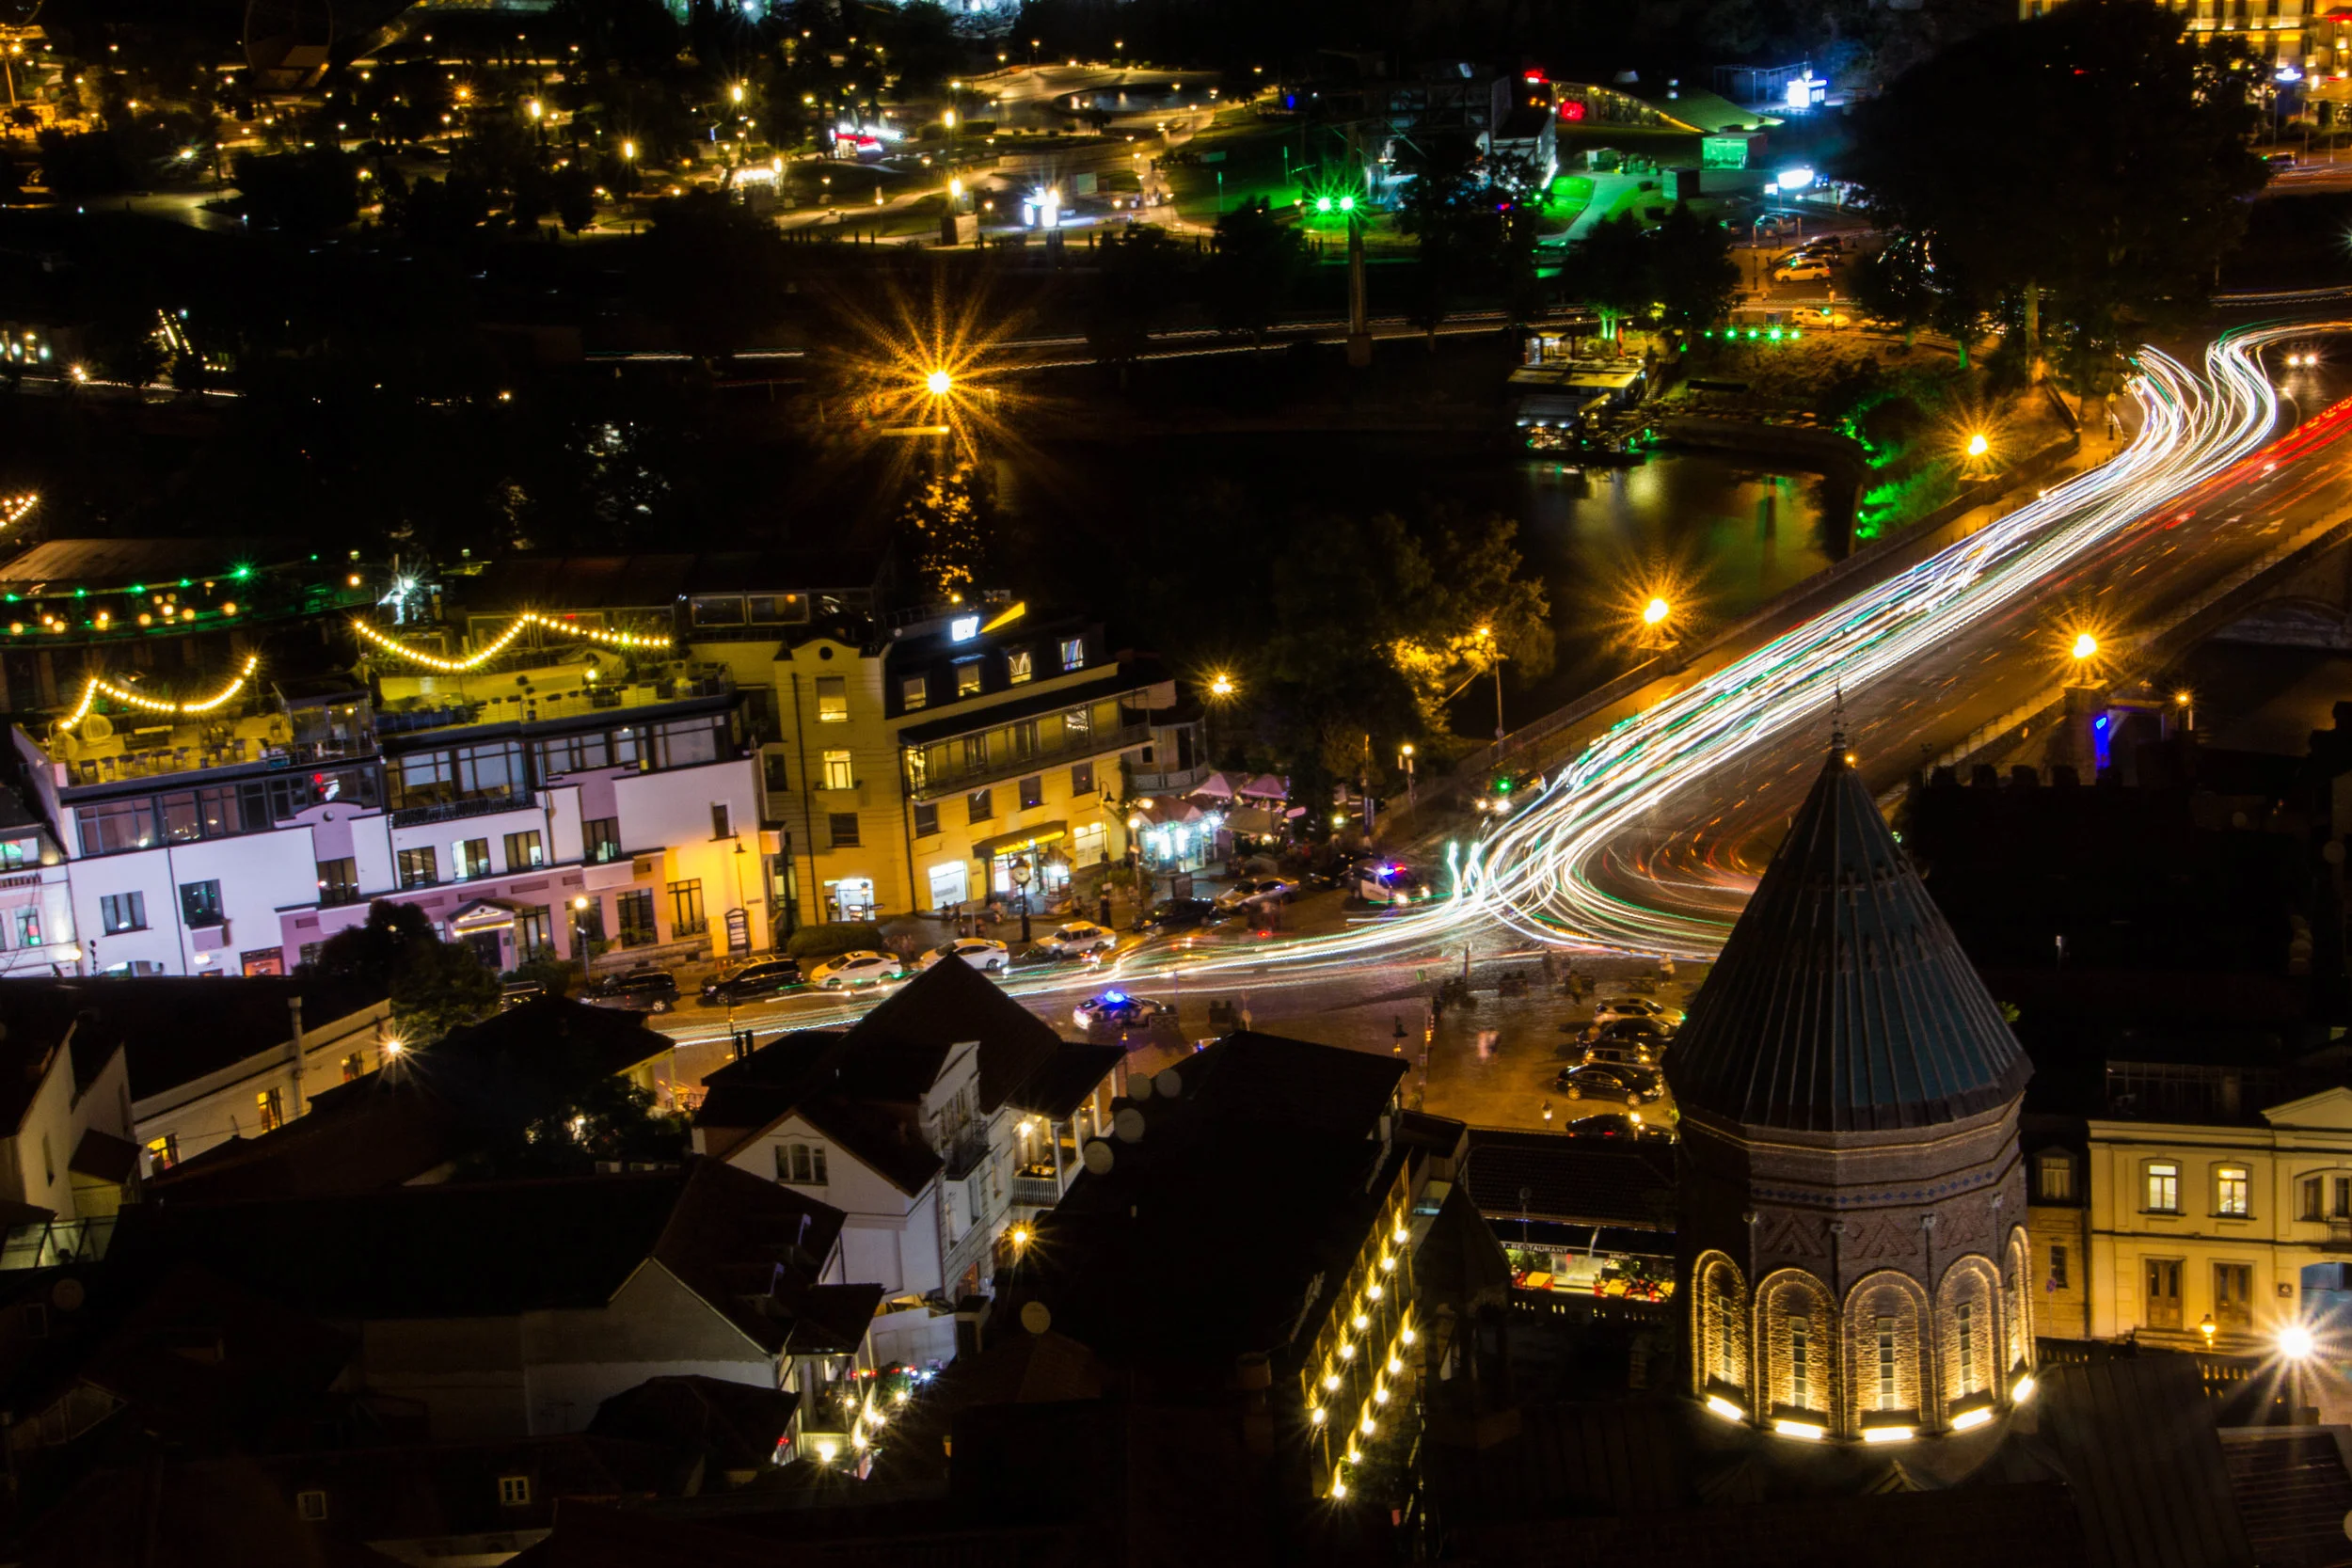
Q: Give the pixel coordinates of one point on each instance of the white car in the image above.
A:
(1801, 269)
(864, 967)
(1118, 1010)
(1252, 891)
(980, 953)
(1387, 882)
(1636, 1007)
(1077, 939)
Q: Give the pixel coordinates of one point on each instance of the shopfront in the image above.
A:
(1042, 848)
(850, 898)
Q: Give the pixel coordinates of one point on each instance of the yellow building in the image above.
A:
(2191, 1223)
(2274, 30)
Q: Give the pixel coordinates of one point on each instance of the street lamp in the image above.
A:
(2086, 646)
(1977, 445)
(1405, 757)
(939, 384)
(1220, 685)
(1486, 635)
(1655, 611)
(1021, 875)
(2295, 1347)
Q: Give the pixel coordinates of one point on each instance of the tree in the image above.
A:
(1141, 279)
(1256, 267)
(2100, 180)
(924, 50)
(1896, 284)
(604, 1119)
(713, 269)
(1696, 281)
(435, 986)
(575, 198)
(1612, 269)
(309, 192)
(1452, 211)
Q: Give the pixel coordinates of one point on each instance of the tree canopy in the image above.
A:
(435, 986)
(2094, 159)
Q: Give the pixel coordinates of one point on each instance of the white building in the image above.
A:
(594, 798)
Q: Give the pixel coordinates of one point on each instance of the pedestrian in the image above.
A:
(1103, 916)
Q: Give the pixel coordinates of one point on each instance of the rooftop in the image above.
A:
(1842, 1002)
(176, 1030)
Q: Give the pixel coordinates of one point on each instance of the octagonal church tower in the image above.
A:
(1852, 1238)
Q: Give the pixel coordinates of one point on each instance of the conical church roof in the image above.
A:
(1842, 1000)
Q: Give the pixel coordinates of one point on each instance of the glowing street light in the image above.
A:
(2296, 1342)
(629, 153)
(1221, 685)
(2086, 645)
(736, 92)
(939, 384)
(1977, 445)
(1655, 611)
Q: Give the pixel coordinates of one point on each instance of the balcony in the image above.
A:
(962, 775)
(1181, 781)
(2339, 1236)
(452, 811)
(964, 1155)
(1036, 1192)
(557, 694)
(190, 750)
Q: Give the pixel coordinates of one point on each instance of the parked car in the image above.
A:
(1177, 914)
(1118, 1010)
(754, 981)
(979, 952)
(1819, 317)
(641, 990)
(1639, 1055)
(516, 993)
(1388, 883)
(1801, 269)
(862, 966)
(1612, 1125)
(1629, 1084)
(1633, 1031)
(1078, 937)
(1635, 1006)
(1251, 893)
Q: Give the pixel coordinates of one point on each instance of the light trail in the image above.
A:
(1534, 876)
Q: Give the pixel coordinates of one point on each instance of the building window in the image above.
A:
(117, 825)
(2163, 1194)
(1888, 1392)
(832, 700)
(974, 750)
(471, 856)
(926, 818)
(355, 1066)
(686, 910)
(1019, 666)
(525, 849)
(1032, 792)
(311, 1507)
(2164, 1292)
(722, 820)
(2230, 1192)
(514, 1491)
(533, 937)
(163, 1153)
(199, 905)
(967, 677)
(1082, 778)
(1074, 654)
(271, 1107)
(1799, 1366)
(338, 880)
(1077, 724)
(803, 1164)
(2058, 1267)
(843, 825)
(687, 742)
(420, 867)
(2308, 1199)
(600, 839)
(839, 774)
(914, 692)
(1965, 1320)
(1023, 736)
(2234, 1297)
(28, 928)
(979, 805)
(636, 912)
(2054, 1176)
(122, 911)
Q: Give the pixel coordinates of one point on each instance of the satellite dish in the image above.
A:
(1036, 1316)
(1167, 1084)
(1127, 1127)
(1139, 1085)
(97, 726)
(1099, 1157)
(66, 1296)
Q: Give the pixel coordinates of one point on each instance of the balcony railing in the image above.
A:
(960, 774)
(237, 751)
(964, 1155)
(550, 706)
(451, 811)
(1036, 1192)
(1174, 781)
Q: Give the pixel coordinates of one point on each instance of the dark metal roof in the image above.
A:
(1842, 1000)
(1576, 1179)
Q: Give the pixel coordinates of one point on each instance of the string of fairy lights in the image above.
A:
(99, 685)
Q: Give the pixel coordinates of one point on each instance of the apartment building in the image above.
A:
(2285, 32)
(2209, 1223)
(585, 798)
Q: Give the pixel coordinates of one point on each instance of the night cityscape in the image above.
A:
(1153, 783)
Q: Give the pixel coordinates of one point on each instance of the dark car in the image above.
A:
(1177, 914)
(516, 992)
(1612, 1125)
(1624, 1086)
(751, 982)
(645, 990)
(1632, 1031)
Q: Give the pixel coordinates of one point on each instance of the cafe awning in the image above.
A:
(1020, 839)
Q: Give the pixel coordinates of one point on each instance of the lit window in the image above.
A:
(2164, 1187)
(1073, 653)
(1799, 1347)
(914, 692)
(1887, 1394)
(832, 700)
(1018, 666)
(838, 771)
(514, 1491)
(2229, 1195)
(2054, 1176)
(1966, 1323)
(968, 678)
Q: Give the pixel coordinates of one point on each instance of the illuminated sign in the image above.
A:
(963, 629)
(1572, 109)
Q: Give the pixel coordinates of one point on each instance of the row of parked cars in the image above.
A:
(1624, 1049)
(655, 990)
